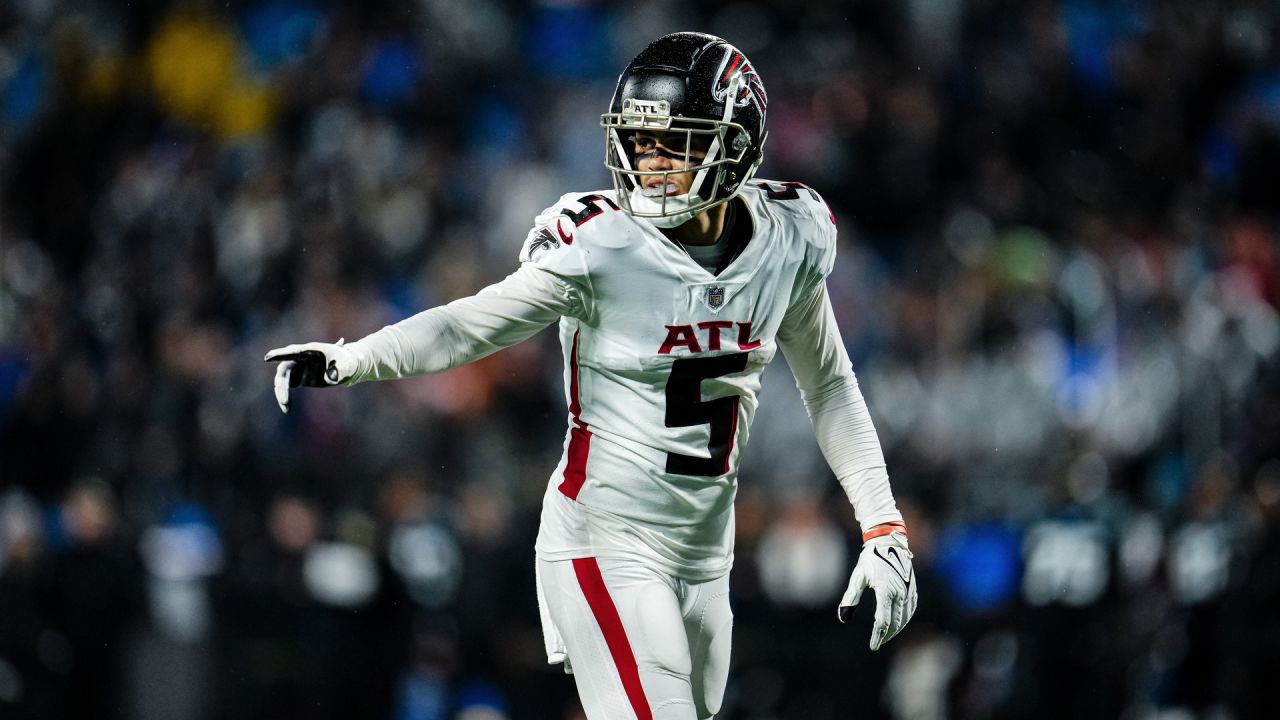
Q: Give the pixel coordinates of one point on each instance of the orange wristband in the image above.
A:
(884, 529)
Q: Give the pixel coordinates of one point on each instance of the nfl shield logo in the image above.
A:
(715, 297)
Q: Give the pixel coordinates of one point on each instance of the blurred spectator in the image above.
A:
(94, 601)
(27, 674)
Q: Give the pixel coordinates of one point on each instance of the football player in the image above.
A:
(673, 291)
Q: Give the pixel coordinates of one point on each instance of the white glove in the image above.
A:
(310, 365)
(885, 566)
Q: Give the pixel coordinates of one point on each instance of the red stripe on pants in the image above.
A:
(615, 636)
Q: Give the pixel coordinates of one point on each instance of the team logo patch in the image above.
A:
(541, 242)
(750, 89)
(715, 297)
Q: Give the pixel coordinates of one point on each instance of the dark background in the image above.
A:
(1058, 281)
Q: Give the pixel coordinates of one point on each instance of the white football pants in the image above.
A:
(640, 643)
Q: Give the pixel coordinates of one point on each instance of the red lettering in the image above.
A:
(678, 336)
(684, 336)
(713, 328)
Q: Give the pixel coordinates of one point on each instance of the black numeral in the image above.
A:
(590, 208)
(791, 191)
(786, 190)
(686, 408)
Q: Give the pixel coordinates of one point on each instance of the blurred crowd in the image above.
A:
(1058, 280)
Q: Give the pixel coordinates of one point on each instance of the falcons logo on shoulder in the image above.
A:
(542, 241)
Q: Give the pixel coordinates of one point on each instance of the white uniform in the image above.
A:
(662, 366)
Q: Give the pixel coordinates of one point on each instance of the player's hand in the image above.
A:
(310, 365)
(884, 566)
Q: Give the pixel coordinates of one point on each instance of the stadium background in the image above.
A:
(1058, 280)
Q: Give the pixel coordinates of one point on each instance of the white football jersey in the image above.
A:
(662, 368)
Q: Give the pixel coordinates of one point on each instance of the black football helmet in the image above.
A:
(705, 88)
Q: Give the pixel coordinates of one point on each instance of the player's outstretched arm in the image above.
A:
(435, 340)
(810, 339)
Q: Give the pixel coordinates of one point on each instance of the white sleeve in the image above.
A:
(811, 342)
(467, 329)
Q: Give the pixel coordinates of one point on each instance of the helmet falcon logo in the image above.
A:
(750, 88)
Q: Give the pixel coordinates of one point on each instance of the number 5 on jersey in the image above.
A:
(686, 408)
